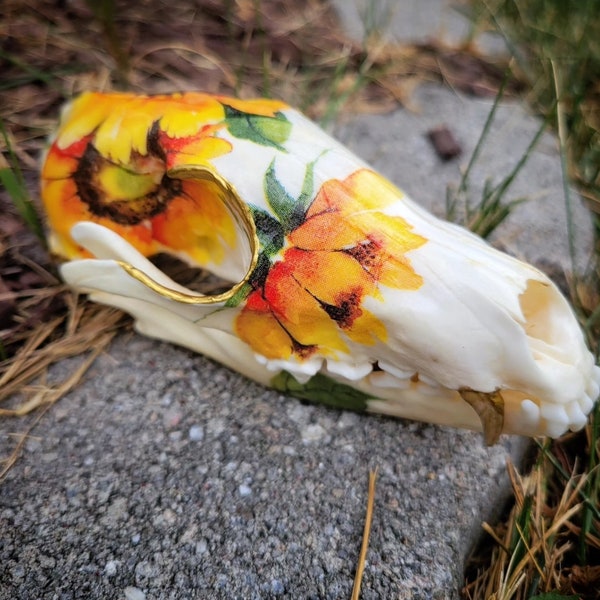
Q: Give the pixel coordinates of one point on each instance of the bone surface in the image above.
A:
(343, 289)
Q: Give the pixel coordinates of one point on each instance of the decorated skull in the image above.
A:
(341, 290)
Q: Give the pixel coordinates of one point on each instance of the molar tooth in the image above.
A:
(426, 389)
(586, 403)
(302, 372)
(383, 379)
(576, 416)
(593, 387)
(395, 371)
(554, 412)
(428, 381)
(351, 371)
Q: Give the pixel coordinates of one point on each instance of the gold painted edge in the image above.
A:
(241, 212)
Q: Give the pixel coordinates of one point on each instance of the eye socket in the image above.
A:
(244, 235)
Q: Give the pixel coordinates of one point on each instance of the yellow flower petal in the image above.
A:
(257, 106)
(197, 223)
(257, 326)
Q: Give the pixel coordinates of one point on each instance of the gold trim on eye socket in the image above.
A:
(241, 214)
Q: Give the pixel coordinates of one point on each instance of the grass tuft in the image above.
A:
(13, 182)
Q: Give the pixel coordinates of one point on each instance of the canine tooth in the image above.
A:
(395, 371)
(554, 412)
(351, 371)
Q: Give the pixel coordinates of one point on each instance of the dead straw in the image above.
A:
(366, 533)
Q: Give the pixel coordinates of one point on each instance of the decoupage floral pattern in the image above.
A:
(111, 158)
(321, 254)
(319, 263)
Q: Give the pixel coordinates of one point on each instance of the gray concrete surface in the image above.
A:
(416, 21)
(166, 476)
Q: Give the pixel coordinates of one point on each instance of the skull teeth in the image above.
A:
(577, 418)
(530, 412)
(546, 418)
(586, 403)
(383, 379)
(351, 371)
(555, 413)
(554, 429)
(395, 371)
(593, 387)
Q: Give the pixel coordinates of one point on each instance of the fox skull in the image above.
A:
(342, 290)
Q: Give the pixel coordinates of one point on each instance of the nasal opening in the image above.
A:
(548, 320)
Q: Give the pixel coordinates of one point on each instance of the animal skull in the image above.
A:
(342, 291)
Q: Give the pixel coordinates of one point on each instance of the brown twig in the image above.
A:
(366, 533)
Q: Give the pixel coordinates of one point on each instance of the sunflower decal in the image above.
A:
(318, 264)
(116, 158)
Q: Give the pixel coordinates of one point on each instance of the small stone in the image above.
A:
(135, 539)
(313, 433)
(201, 547)
(196, 433)
(134, 593)
(277, 587)
(244, 490)
(110, 568)
(444, 142)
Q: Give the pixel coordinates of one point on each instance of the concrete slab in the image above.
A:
(415, 22)
(167, 474)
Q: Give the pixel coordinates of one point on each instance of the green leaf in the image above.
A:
(308, 185)
(287, 209)
(239, 296)
(269, 231)
(290, 212)
(266, 131)
(322, 390)
(13, 182)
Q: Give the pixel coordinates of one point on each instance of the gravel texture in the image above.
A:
(167, 476)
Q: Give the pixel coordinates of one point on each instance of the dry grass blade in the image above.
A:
(366, 533)
(534, 543)
(83, 328)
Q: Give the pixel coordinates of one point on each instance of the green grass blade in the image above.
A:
(12, 180)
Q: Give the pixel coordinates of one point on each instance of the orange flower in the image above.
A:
(110, 163)
(343, 250)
